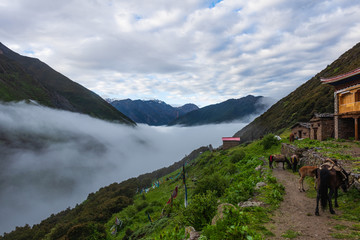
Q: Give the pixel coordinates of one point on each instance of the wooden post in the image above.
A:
(356, 129)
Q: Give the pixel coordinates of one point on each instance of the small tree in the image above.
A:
(269, 140)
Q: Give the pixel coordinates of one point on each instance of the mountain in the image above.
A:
(151, 112)
(299, 106)
(25, 78)
(233, 109)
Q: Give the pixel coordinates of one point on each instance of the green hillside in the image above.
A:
(299, 106)
(223, 177)
(25, 78)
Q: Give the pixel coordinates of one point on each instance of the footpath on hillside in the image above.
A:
(297, 213)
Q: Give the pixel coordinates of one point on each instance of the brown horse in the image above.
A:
(291, 138)
(330, 179)
(304, 171)
(278, 158)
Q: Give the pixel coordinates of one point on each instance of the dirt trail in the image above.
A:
(296, 212)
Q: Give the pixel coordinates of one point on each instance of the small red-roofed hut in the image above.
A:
(229, 142)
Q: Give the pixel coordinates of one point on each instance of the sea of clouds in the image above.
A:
(52, 159)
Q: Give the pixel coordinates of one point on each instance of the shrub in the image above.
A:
(142, 205)
(238, 156)
(87, 231)
(214, 182)
(234, 225)
(201, 210)
(269, 140)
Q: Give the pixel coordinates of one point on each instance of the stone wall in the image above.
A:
(346, 128)
(230, 144)
(309, 157)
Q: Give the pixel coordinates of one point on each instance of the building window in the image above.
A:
(345, 98)
(357, 96)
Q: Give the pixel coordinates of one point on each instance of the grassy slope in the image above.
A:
(16, 85)
(307, 99)
(230, 173)
(234, 182)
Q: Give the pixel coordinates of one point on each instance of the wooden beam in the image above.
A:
(356, 129)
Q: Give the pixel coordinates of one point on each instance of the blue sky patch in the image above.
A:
(29, 51)
(213, 3)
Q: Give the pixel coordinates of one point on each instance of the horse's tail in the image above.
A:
(324, 185)
(295, 162)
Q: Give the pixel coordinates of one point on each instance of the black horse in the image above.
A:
(330, 181)
(294, 162)
(279, 158)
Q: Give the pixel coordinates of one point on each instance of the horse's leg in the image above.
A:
(331, 193)
(336, 196)
(283, 165)
(301, 184)
(317, 203)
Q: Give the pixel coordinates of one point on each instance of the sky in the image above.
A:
(189, 51)
(53, 159)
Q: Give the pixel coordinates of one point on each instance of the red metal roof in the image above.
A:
(340, 77)
(231, 139)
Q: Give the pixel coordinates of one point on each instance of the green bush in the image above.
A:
(87, 231)
(201, 210)
(142, 205)
(238, 156)
(234, 225)
(240, 192)
(269, 140)
(214, 182)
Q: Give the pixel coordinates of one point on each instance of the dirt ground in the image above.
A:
(297, 212)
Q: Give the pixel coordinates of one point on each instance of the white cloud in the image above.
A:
(53, 159)
(183, 50)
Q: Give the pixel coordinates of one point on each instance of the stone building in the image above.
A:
(346, 104)
(301, 130)
(322, 126)
(229, 142)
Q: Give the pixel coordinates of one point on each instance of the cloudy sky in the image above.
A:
(199, 51)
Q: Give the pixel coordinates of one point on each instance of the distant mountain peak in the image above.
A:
(241, 109)
(152, 112)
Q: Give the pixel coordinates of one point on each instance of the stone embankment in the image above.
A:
(309, 157)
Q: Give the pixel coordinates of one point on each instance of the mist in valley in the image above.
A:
(52, 159)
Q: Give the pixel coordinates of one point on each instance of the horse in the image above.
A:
(304, 171)
(294, 161)
(329, 178)
(291, 137)
(278, 158)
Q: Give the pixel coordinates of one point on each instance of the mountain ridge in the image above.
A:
(25, 78)
(230, 110)
(151, 112)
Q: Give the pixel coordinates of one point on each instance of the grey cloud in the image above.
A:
(214, 47)
(53, 159)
